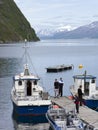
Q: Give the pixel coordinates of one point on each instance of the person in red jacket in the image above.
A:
(76, 101)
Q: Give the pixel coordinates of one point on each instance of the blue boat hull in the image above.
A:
(30, 110)
(93, 104)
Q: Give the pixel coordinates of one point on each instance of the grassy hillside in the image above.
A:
(13, 25)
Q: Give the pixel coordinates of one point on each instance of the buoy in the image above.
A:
(55, 106)
(70, 97)
(80, 66)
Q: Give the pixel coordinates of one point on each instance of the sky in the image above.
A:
(58, 14)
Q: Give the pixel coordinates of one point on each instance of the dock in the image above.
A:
(86, 114)
(59, 68)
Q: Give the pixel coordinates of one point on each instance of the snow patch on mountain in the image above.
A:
(52, 31)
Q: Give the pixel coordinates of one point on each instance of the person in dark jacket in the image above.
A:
(80, 94)
(56, 88)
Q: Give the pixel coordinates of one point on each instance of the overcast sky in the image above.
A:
(55, 14)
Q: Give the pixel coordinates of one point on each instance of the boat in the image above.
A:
(59, 68)
(29, 98)
(59, 119)
(89, 89)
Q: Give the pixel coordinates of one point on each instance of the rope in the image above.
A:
(26, 56)
(32, 64)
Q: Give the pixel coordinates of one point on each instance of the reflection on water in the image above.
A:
(9, 66)
(47, 53)
(30, 126)
(30, 123)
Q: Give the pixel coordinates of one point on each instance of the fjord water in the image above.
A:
(43, 54)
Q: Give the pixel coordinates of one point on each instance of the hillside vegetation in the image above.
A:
(14, 27)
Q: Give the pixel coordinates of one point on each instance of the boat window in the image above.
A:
(93, 81)
(35, 82)
(86, 88)
(19, 82)
(34, 89)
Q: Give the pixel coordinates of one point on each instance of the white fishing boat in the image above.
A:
(28, 97)
(89, 89)
(60, 120)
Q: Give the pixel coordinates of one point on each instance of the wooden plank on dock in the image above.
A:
(86, 114)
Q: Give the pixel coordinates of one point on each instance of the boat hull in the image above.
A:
(52, 123)
(29, 119)
(30, 110)
(91, 103)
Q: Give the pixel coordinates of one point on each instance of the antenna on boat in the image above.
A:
(26, 71)
(85, 73)
(25, 47)
(27, 58)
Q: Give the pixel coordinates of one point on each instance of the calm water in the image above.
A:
(43, 54)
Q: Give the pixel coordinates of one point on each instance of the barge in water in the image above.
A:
(59, 68)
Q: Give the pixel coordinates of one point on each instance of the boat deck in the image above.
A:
(86, 114)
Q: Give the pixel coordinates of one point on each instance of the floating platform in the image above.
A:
(59, 68)
(88, 115)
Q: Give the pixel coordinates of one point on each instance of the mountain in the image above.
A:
(87, 31)
(50, 33)
(14, 27)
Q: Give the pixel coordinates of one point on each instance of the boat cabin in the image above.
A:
(88, 83)
(26, 84)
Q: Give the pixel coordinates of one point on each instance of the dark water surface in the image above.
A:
(42, 55)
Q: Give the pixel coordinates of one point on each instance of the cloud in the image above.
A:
(95, 16)
(52, 13)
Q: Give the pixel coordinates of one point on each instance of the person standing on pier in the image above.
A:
(80, 94)
(61, 84)
(56, 88)
(76, 101)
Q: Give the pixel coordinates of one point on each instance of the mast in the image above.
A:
(85, 73)
(25, 47)
(26, 69)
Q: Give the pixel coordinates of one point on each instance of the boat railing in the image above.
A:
(58, 112)
(45, 95)
(60, 118)
(25, 98)
(71, 126)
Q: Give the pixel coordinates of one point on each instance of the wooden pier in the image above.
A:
(86, 114)
(59, 68)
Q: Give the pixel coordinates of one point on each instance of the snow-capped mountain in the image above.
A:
(49, 33)
(87, 31)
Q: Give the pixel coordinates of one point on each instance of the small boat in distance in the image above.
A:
(60, 120)
(28, 97)
(89, 89)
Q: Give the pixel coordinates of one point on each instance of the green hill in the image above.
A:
(14, 27)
